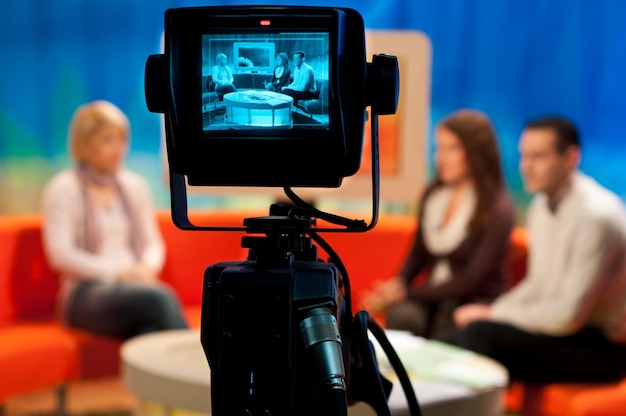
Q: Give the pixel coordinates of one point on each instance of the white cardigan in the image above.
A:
(577, 266)
(63, 230)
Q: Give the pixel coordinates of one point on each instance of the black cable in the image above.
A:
(339, 399)
(304, 208)
(362, 322)
(369, 386)
(396, 363)
(375, 170)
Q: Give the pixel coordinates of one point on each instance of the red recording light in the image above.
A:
(265, 23)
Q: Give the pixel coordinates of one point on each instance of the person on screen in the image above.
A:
(303, 85)
(565, 321)
(101, 235)
(465, 219)
(281, 74)
(222, 76)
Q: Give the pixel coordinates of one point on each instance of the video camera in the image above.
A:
(277, 328)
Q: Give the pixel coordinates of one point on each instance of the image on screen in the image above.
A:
(265, 81)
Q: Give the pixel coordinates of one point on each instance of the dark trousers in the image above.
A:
(587, 356)
(224, 89)
(424, 320)
(124, 309)
(298, 95)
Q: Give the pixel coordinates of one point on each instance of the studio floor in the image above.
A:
(101, 397)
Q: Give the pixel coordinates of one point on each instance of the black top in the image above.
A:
(478, 265)
(278, 83)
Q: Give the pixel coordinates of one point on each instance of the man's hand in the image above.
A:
(466, 314)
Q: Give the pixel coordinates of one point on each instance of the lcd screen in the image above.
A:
(276, 80)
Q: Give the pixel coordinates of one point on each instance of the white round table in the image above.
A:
(170, 369)
(258, 108)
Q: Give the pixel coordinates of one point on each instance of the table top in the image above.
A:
(447, 380)
(257, 99)
(180, 349)
(170, 368)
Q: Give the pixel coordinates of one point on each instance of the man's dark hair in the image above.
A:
(566, 131)
(301, 53)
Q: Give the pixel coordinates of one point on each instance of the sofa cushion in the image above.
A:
(8, 233)
(35, 356)
(564, 399)
(35, 285)
(28, 283)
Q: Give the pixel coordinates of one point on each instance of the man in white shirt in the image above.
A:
(565, 321)
(303, 86)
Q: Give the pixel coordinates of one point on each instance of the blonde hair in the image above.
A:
(88, 119)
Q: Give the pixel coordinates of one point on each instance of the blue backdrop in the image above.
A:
(513, 59)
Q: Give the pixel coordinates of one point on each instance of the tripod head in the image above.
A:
(285, 240)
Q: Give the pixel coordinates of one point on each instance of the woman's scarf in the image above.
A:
(88, 176)
(442, 239)
(278, 71)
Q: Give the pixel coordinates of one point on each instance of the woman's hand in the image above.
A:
(138, 272)
(384, 293)
(466, 314)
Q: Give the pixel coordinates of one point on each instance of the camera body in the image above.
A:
(261, 320)
(276, 328)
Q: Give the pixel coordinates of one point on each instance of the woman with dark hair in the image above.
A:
(281, 74)
(465, 219)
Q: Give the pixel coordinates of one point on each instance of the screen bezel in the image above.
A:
(189, 47)
(264, 157)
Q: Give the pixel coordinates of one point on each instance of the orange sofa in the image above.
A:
(37, 352)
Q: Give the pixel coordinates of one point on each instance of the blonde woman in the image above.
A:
(101, 235)
(222, 76)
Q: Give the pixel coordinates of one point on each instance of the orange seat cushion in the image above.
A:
(35, 356)
(585, 399)
(98, 356)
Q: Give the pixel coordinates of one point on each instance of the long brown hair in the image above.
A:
(284, 59)
(478, 138)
